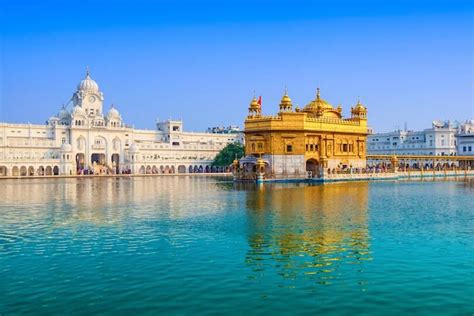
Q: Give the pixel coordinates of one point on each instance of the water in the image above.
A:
(205, 246)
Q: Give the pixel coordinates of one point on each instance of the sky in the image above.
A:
(409, 61)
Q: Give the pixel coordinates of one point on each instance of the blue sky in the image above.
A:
(409, 61)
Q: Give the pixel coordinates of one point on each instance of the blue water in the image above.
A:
(194, 245)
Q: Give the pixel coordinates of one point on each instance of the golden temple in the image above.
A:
(301, 142)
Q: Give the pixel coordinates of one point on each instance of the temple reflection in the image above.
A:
(310, 231)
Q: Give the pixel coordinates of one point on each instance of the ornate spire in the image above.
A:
(87, 72)
(318, 94)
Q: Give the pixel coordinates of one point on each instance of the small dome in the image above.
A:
(285, 99)
(63, 113)
(66, 147)
(77, 110)
(134, 148)
(360, 106)
(53, 118)
(254, 103)
(359, 110)
(87, 84)
(113, 113)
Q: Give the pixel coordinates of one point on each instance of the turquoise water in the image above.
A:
(195, 245)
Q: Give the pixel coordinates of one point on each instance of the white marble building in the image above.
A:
(85, 139)
(439, 140)
(465, 139)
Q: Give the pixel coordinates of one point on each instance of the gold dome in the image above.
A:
(285, 99)
(318, 104)
(359, 110)
(254, 104)
(360, 106)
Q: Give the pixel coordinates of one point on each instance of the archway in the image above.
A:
(31, 171)
(99, 159)
(312, 165)
(181, 169)
(116, 163)
(154, 170)
(142, 170)
(80, 162)
(148, 170)
(49, 171)
(172, 169)
(207, 169)
(40, 171)
(3, 171)
(56, 170)
(190, 169)
(23, 171)
(15, 171)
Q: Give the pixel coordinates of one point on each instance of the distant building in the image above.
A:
(465, 139)
(224, 130)
(233, 130)
(439, 140)
(84, 139)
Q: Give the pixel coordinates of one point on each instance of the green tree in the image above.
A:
(227, 155)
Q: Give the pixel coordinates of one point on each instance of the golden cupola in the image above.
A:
(255, 109)
(359, 110)
(286, 105)
(318, 106)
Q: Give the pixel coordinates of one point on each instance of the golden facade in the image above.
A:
(316, 137)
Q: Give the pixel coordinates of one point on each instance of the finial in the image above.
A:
(254, 95)
(318, 93)
(87, 71)
(286, 90)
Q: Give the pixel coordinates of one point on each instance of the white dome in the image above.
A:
(53, 118)
(63, 113)
(77, 110)
(113, 112)
(66, 147)
(134, 148)
(87, 84)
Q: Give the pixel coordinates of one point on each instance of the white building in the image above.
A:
(439, 140)
(465, 139)
(85, 140)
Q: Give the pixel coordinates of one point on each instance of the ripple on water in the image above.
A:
(193, 245)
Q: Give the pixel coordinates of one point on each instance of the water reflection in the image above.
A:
(308, 231)
(106, 201)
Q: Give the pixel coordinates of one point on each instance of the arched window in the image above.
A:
(116, 144)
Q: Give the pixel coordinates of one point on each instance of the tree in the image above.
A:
(227, 155)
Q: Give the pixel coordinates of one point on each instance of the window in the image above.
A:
(260, 145)
(63, 140)
(464, 148)
(470, 148)
(344, 148)
(289, 148)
